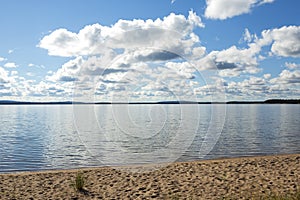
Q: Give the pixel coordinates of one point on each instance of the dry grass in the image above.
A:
(79, 182)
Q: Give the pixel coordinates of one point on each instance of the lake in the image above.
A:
(39, 137)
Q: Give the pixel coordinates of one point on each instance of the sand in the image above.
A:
(214, 179)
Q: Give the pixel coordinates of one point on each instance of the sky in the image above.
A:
(142, 50)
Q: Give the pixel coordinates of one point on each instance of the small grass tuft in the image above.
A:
(79, 182)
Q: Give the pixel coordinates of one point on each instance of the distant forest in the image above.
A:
(269, 101)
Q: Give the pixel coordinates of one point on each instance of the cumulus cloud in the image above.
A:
(10, 65)
(9, 83)
(2, 59)
(81, 69)
(225, 65)
(145, 55)
(110, 61)
(223, 9)
(285, 85)
(14, 86)
(30, 74)
(184, 69)
(158, 56)
(288, 77)
(286, 40)
(267, 76)
(62, 42)
(67, 72)
(232, 61)
(253, 87)
(172, 33)
(37, 66)
(46, 90)
(145, 59)
(291, 65)
(248, 37)
(198, 52)
(3, 76)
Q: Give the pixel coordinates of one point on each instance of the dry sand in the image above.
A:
(215, 179)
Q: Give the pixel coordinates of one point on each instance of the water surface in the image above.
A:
(38, 137)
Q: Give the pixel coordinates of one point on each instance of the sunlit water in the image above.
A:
(38, 137)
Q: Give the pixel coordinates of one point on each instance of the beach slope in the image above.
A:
(251, 177)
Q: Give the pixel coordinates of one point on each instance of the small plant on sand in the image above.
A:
(79, 182)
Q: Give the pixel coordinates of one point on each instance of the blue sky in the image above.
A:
(149, 50)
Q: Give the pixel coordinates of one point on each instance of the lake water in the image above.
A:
(38, 137)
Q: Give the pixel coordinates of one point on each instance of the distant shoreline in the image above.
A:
(269, 101)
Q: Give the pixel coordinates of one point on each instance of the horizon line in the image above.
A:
(268, 101)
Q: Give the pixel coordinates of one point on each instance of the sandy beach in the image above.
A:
(245, 178)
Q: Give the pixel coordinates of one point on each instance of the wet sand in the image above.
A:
(245, 178)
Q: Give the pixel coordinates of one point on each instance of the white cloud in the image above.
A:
(248, 37)
(265, 1)
(264, 88)
(292, 65)
(10, 65)
(254, 81)
(243, 57)
(184, 69)
(288, 77)
(145, 59)
(254, 87)
(62, 42)
(170, 33)
(286, 85)
(286, 41)
(198, 52)
(3, 76)
(231, 61)
(267, 76)
(9, 86)
(45, 90)
(14, 73)
(129, 56)
(223, 9)
(2, 59)
(110, 61)
(68, 72)
(30, 74)
(37, 66)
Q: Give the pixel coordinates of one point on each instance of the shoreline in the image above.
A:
(146, 165)
(242, 177)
